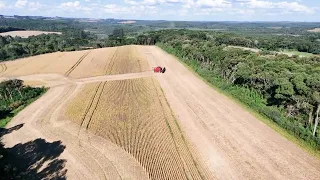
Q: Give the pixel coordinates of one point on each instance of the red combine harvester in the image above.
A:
(159, 69)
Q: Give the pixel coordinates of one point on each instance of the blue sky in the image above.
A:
(203, 10)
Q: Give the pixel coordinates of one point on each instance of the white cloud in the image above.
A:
(137, 10)
(153, 2)
(166, 9)
(209, 11)
(295, 7)
(68, 5)
(113, 9)
(283, 6)
(76, 6)
(21, 3)
(246, 12)
(214, 3)
(29, 5)
(2, 5)
(34, 6)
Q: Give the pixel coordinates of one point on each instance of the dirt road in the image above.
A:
(234, 144)
(87, 156)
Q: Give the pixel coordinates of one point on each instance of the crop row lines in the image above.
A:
(3, 68)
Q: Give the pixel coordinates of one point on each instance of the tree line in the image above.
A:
(8, 29)
(307, 43)
(13, 95)
(285, 89)
(17, 47)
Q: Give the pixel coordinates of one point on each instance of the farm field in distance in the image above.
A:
(80, 64)
(26, 34)
(286, 52)
(315, 30)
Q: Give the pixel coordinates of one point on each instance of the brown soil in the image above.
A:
(234, 143)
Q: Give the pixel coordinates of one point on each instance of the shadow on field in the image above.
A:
(37, 159)
(5, 113)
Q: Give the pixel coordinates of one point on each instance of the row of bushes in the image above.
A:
(14, 96)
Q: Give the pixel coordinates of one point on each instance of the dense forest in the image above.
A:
(308, 43)
(16, 47)
(284, 89)
(8, 29)
(81, 34)
(13, 96)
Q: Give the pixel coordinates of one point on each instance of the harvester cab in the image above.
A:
(159, 69)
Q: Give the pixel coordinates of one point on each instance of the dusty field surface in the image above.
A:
(245, 48)
(127, 123)
(58, 63)
(314, 30)
(95, 64)
(288, 53)
(127, 60)
(127, 22)
(80, 64)
(26, 34)
(234, 143)
(134, 115)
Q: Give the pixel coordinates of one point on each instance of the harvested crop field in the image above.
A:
(26, 34)
(111, 61)
(116, 119)
(316, 30)
(79, 64)
(127, 59)
(134, 115)
(58, 63)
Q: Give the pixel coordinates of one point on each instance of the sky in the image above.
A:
(187, 10)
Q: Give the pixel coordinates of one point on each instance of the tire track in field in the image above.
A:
(96, 105)
(148, 154)
(83, 153)
(77, 63)
(186, 172)
(78, 150)
(112, 62)
(3, 68)
(89, 106)
(14, 69)
(182, 151)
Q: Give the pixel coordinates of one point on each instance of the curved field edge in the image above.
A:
(79, 64)
(130, 113)
(5, 121)
(269, 122)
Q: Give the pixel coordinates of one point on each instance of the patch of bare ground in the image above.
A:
(315, 30)
(26, 34)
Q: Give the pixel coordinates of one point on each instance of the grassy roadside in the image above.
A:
(297, 53)
(5, 121)
(269, 122)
